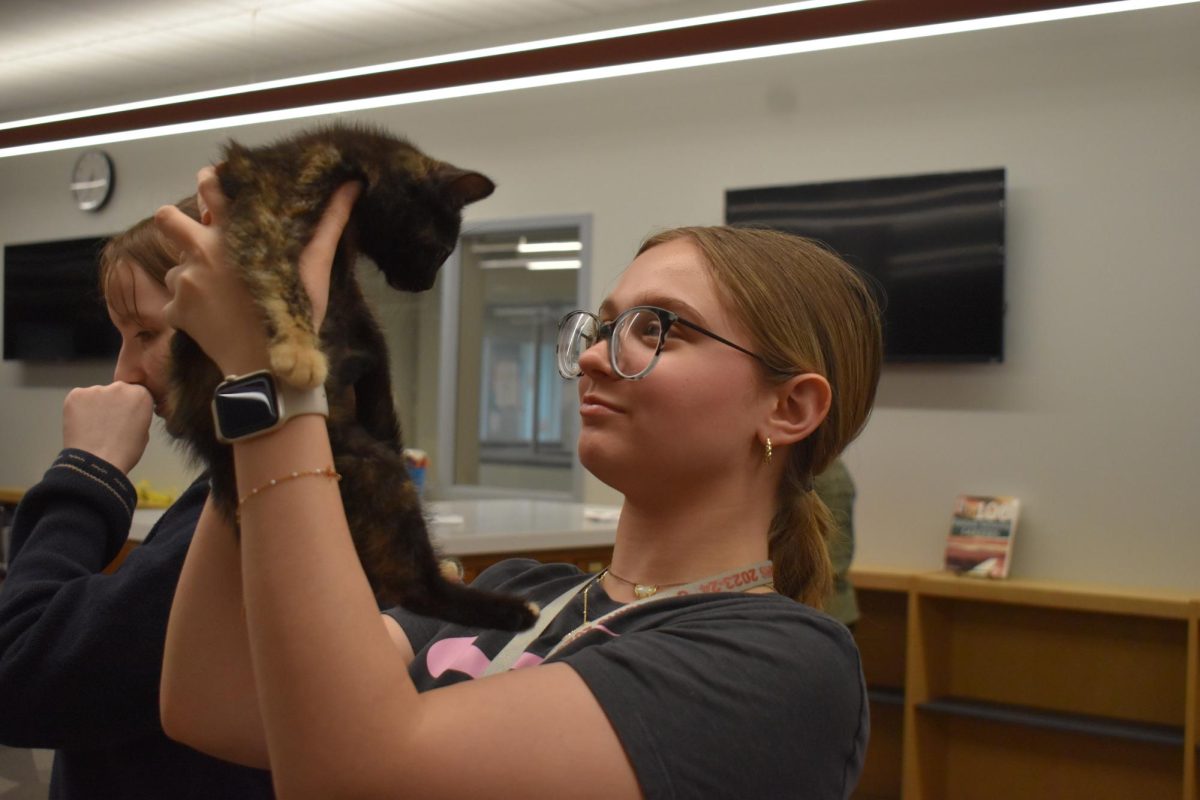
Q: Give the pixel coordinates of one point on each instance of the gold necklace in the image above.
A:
(599, 577)
(641, 590)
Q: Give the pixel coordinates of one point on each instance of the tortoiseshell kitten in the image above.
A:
(407, 221)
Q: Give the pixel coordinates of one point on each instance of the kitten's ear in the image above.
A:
(461, 188)
(232, 171)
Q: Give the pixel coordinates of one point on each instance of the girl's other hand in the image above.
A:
(110, 422)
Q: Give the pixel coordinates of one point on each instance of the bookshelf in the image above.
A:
(1031, 689)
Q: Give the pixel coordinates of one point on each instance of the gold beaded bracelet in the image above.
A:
(323, 472)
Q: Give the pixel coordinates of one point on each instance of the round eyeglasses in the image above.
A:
(635, 340)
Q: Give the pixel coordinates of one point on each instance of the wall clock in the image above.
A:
(92, 180)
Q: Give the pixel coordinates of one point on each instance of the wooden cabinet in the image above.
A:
(1192, 734)
(1028, 689)
(881, 632)
(1191, 738)
(588, 559)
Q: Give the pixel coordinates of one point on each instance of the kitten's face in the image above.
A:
(409, 228)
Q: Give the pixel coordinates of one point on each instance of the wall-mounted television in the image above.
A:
(52, 305)
(934, 245)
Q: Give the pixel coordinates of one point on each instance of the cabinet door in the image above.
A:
(881, 636)
(1017, 699)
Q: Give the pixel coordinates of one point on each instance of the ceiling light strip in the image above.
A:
(734, 34)
(592, 73)
(790, 25)
(426, 61)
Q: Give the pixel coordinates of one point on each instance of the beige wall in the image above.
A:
(1091, 420)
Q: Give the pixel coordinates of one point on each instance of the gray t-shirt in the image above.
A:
(712, 695)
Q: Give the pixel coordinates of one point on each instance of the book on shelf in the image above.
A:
(981, 534)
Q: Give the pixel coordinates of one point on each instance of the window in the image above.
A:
(507, 421)
(521, 398)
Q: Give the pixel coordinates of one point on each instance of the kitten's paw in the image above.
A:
(302, 367)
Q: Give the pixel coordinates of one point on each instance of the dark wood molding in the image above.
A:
(855, 18)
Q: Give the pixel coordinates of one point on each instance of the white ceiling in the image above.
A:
(64, 55)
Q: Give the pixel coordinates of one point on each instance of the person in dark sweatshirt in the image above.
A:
(80, 650)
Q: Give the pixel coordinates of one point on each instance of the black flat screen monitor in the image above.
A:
(934, 245)
(52, 305)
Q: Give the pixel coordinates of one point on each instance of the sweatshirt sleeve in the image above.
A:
(80, 651)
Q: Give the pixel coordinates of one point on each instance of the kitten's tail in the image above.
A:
(457, 603)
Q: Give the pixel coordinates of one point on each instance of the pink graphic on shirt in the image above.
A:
(461, 655)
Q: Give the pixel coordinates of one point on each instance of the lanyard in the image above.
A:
(505, 658)
(736, 580)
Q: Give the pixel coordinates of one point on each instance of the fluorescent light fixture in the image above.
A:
(571, 263)
(521, 245)
(589, 74)
(548, 247)
(530, 263)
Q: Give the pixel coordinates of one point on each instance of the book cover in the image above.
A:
(981, 534)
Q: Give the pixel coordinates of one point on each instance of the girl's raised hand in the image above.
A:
(317, 258)
(210, 301)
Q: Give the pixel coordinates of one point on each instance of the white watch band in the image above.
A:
(295, 402)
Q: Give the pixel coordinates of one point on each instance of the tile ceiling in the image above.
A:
(63, 55)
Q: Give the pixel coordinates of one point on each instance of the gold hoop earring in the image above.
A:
(767, 451)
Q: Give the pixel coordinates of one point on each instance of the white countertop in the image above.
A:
(469, 527)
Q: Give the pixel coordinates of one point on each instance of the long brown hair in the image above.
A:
(144, 246)
(807, 311)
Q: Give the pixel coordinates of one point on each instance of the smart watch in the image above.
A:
(250, 405)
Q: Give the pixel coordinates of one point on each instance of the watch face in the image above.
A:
(246, 406)
(92, 180)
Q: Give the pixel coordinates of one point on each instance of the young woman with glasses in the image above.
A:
(725, 369)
